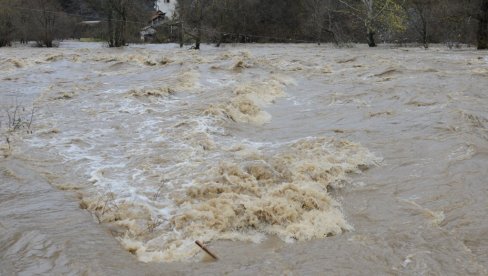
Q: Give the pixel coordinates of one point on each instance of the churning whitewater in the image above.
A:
(379, 155)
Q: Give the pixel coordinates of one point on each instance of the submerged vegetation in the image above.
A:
(15, 121)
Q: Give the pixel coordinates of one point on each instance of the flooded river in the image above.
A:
(282, 159)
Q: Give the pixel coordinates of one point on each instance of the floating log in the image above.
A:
(204, 248)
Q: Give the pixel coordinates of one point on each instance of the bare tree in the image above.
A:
(7, 28)
(197, 9)
(320, 18)
(123, 18)
(482, 33)
(23, 27)
(469, 18)
(370, 13)
(46, 17)
(117, 13)
(192, 12)
(421, 14)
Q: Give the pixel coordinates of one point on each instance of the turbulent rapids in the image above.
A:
(378, 154)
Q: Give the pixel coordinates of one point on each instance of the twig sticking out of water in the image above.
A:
(18, 118)
(204, 248)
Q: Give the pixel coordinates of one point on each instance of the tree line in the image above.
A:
(43, 21)
(223, 21)
(338, 21)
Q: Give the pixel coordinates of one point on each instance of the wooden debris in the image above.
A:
(204, 248)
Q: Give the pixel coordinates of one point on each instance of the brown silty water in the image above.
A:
(283, 159)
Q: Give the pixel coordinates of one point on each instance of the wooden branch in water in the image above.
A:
(204, 248)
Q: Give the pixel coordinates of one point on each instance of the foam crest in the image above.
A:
(248, 101)
(282, 192)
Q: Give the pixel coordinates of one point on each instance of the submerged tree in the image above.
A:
(320, 18)
(42, 21)
(482, 33)
(197, 7)
(421, 13)
(374, 13)
(46, 21)
(193, 13)
(123, 18)
(116, 12)
(7, 28)
(463, 21)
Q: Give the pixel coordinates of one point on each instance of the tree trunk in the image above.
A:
(180, 34)
(123, 24)
(424, 34)
(334, 36)
(6, 31)
(111, 42)
(48, 30)
(199, 12)
(371, 42)
(483, 35)
(483, 27)
(198, 38)
(369, 22)
(221, 40)
(319, 36)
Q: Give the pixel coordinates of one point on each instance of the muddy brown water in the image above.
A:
(283, 159)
